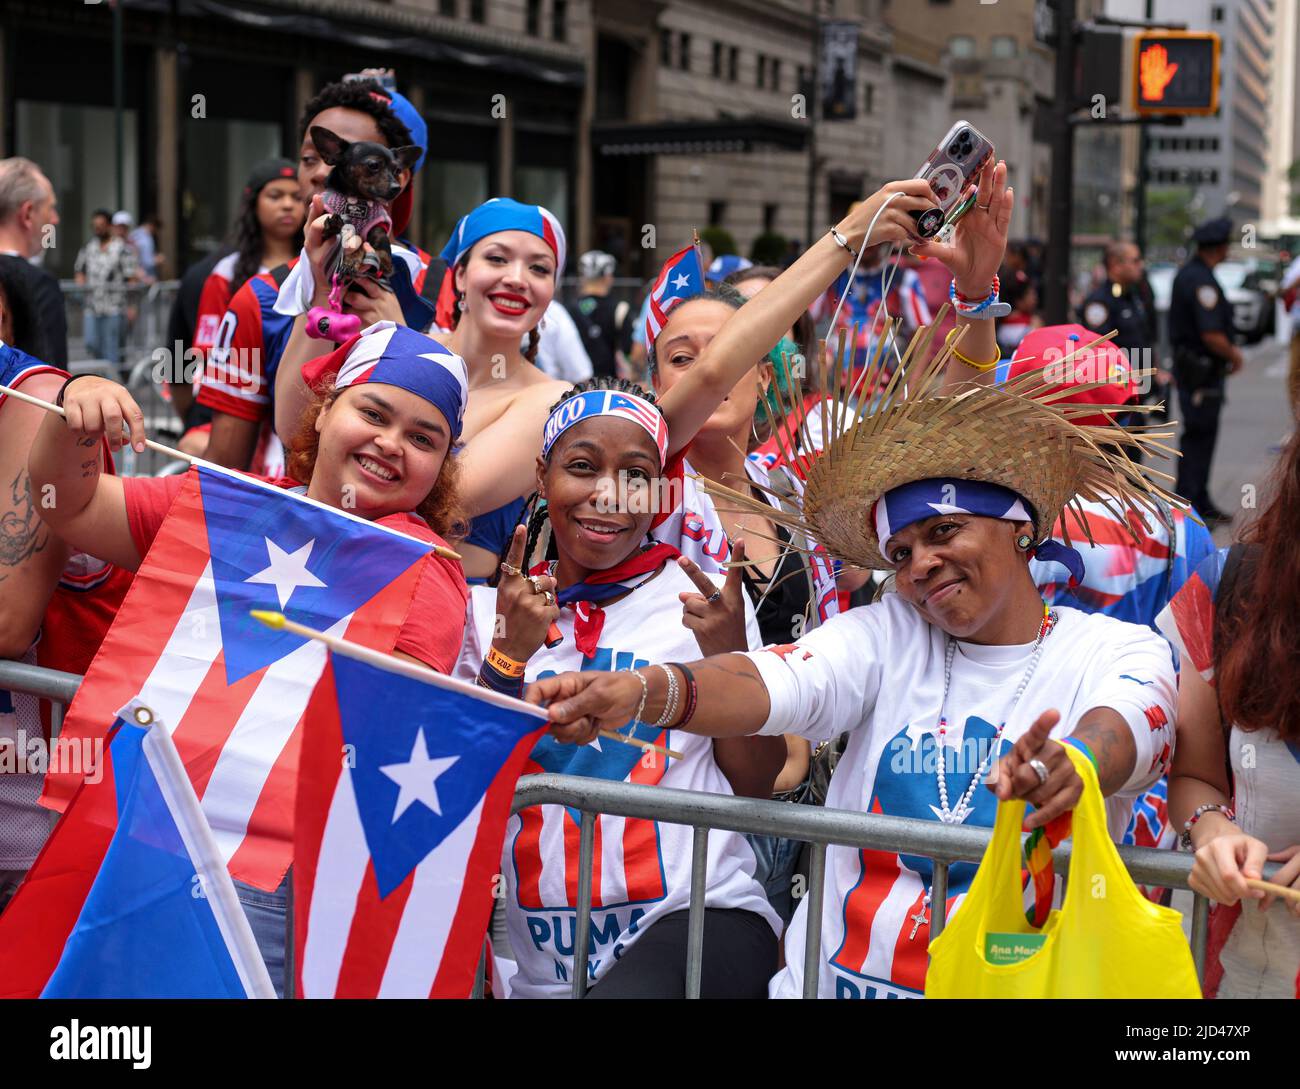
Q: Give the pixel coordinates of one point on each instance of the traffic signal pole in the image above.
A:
(1056, 266)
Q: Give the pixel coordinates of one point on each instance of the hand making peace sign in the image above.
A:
(716, 616)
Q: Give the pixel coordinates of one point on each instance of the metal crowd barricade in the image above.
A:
(819, 827)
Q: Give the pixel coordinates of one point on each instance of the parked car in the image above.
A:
(1251, 287)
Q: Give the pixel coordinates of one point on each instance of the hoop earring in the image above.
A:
(1024, 542)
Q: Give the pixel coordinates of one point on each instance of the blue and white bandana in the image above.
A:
(606, 402)
(504, 214)
(394, 355)
(910, 503)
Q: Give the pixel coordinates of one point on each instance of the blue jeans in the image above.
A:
(104, 336)
(267, 914)
(777, 859)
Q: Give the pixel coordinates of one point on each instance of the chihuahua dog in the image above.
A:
(364, 178)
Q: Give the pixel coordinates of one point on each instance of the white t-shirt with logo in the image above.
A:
(642, 868)
(877, 672)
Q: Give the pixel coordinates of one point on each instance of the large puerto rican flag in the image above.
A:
(406, 782)
(231, 691)
(682, 277)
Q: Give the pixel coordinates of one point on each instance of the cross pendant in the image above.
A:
(917, 920)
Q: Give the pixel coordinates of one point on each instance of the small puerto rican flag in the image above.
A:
(682, 277)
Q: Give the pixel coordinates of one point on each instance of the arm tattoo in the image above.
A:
(1108, 736)
(88, 440)
(22, 533)
(728, 665)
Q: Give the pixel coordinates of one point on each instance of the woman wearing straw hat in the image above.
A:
(954, 491)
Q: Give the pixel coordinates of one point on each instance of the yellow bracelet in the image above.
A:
(967, 360)
(504, 664)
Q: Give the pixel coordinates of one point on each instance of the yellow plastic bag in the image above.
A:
(1106, 940)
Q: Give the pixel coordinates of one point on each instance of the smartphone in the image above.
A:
(954, 163)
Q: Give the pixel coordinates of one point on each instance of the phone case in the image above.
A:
(951, 167)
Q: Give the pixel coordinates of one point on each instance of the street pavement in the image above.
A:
(1255, 421)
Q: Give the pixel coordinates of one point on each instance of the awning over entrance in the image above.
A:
(698, 137)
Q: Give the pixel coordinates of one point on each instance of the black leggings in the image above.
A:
(740, 956)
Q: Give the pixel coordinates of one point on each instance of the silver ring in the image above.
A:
(535, 581)
(714, 597)
(1040, 769)
(548, 597)
(510, 569)
(984, 207)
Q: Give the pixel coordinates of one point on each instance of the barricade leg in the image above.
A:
(695, 920)
(812, 949)
(582, 925)
(938, 898)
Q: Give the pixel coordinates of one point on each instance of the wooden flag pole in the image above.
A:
(418, 672)
(1276, 890)
(171, 452)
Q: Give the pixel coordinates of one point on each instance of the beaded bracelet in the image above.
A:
(840, 240)
(964, 305)
(1185, 840)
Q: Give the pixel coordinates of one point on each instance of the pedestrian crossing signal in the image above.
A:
(1176, 72)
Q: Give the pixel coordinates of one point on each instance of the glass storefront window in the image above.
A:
(544, 185)
(75, 147)
(218, 156)
(450, 189)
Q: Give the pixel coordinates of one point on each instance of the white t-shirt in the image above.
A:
(642, 868)
(877, 671)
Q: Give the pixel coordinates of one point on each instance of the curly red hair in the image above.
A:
(441, 508)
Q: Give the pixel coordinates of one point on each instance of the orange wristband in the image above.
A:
(504, 664)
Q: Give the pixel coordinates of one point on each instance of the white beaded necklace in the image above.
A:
(963, 809)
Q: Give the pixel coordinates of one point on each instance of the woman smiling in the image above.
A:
(613, 590)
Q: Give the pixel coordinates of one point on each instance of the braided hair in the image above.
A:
(535, 507)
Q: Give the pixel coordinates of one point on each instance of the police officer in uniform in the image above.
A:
(1120, 304)
(1201, 334)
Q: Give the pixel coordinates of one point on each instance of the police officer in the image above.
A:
(1201, 336)
(1118, 304)
(601, 322)
(1121, 304)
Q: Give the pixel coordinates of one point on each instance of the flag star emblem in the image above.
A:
(681, 280)
(418, 777)
(287, 570)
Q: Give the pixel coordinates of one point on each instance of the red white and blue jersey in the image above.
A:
(877, 673)
(906, 300)
(641, 867)
(1127, 579)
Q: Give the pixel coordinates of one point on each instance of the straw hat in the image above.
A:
(1023, 435)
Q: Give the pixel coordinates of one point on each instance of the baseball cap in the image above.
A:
(1049, 348)
(596, 263)
(267, 171)
(123, 219)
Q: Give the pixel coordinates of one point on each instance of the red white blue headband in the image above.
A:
(606, 402)
(504, 214)
(910, 503)
(397, 356)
